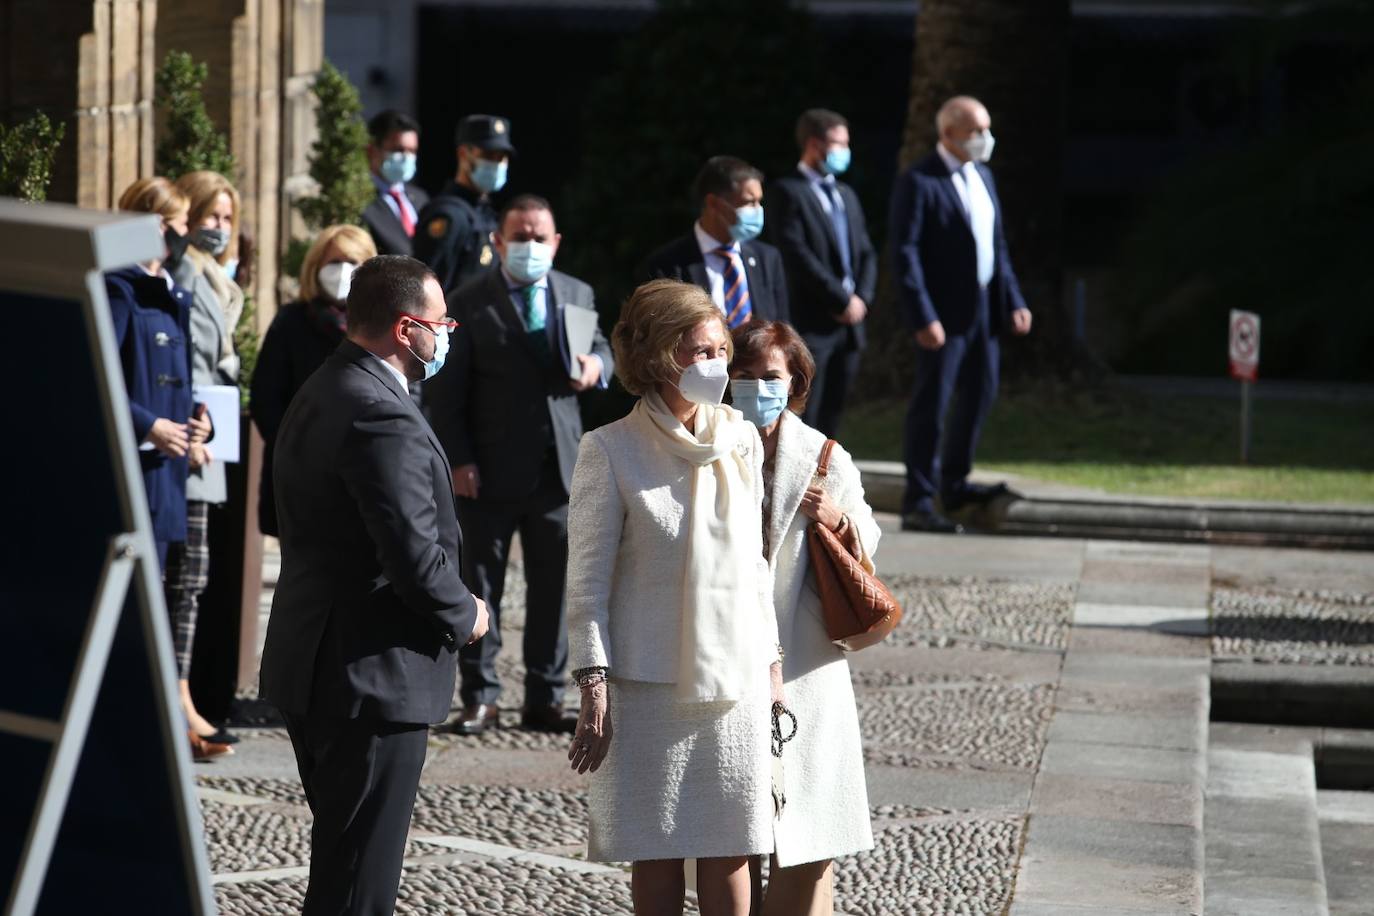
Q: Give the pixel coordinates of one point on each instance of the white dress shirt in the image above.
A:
(715, 264)
(977, 206)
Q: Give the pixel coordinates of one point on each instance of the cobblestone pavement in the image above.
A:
(1292, 626)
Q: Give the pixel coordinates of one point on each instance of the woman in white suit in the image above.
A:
(672, 634)
(826, 814)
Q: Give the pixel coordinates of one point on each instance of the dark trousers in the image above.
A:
(939, 448)
(488, 527)
(837, 363)
(360, 778)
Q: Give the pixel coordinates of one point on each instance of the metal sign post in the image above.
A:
(1243, 349)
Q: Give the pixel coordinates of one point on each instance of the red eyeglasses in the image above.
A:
(432, 326)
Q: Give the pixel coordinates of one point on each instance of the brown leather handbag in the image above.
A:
(858, 610)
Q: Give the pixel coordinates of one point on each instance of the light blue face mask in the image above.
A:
(488, 176)
(398, 167)
(528, 261)
(748, 223)
(433, 365)
(837, 160)
(760, 400)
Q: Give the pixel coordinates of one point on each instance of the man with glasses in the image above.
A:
(370, 609)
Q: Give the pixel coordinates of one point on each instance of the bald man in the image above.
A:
(958, 294)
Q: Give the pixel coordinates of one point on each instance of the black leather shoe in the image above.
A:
(973, 494)
(477, 720)
(549, 719)
(930, 521)
(221, 737)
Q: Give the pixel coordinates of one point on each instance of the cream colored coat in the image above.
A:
(627, 552)
(827, 798)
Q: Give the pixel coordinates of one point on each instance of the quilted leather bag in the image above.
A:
(858, 610)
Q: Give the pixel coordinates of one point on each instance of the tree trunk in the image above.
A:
(1012, 56)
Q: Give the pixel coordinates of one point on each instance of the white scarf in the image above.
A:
(719, 655)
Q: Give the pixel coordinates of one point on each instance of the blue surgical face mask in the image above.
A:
(528, 261)
(433, 365)
(488, 176)
(748, 223)
(760, 400)
(837, 160)
(398, 167)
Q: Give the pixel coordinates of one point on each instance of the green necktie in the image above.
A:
(534, 326)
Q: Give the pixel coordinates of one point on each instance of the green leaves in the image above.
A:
(190, 142)
(27, 150)
(338, 159)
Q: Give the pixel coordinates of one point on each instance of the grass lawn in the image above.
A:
(1124, 441)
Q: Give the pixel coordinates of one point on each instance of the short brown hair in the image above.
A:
(652, 323)
(817, 122)
(203, 189)
(754, 339)
(154, 195)
(353, 241)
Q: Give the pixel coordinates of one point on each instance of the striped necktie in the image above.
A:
(737, 307)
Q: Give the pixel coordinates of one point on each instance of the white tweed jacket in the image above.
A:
(627, 552)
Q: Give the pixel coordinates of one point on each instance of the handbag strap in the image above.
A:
(823, 463)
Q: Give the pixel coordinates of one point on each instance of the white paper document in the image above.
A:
(579, 329)
(223, 404)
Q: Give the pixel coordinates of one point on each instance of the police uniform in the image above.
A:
(454, 235)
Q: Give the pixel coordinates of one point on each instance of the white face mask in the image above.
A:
(335, 279)
(704, 382)
(979, 146)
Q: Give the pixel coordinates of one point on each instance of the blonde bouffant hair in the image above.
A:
(203, 189)
(154, 195)
(653, 322)
(352, 241)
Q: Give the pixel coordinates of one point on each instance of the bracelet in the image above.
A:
(590, 677)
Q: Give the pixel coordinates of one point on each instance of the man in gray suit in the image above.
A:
(508, 415)
(370, 607)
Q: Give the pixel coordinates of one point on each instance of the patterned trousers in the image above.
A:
(187, 572)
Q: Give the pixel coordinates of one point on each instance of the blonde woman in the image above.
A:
(827, 799)
(300, 338)
(673, 640)
(216, 303)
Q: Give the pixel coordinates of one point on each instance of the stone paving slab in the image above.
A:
(1118, 799)
(1186, 732)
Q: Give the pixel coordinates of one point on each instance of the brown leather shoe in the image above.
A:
(206, 750)
(549, 719)
(477, 719)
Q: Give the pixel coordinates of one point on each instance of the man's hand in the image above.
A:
(483, 621)
(465, 481)
(200, 456)
(591, 373)
(169, 438)
(931, 337)
(1021, 322)
(854, 312)
(199, 427)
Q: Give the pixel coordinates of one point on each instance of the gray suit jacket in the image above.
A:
(495, 404)
(209, 366)
(370, 606)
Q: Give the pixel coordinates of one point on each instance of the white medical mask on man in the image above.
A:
(979, 146)
(704, 382)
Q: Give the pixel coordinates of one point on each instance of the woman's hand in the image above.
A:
(200, 456)
(592, 739)
(775, 683)
(199, 427)
(817, 505)
(169, 438)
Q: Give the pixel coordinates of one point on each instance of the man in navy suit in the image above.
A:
(832, 270)
(722, 253)
(958, 293)
(394, 213)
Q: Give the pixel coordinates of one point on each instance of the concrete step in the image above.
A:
(1347, 826)
(1263, 842)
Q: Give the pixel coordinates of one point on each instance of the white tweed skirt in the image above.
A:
(682, 780)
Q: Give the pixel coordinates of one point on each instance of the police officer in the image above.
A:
(456, 227)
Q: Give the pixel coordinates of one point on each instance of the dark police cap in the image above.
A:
(486, 131)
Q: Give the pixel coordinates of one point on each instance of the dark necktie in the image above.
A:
(840, 222)
(737, 307)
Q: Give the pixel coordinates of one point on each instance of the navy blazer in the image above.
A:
(803, 233)
(385, 226)
(935, 256)
(370, 606)
(681, 259)
(152, 325)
